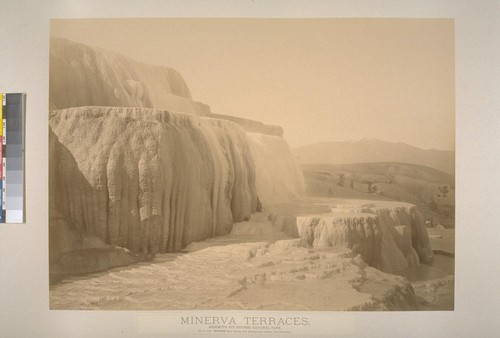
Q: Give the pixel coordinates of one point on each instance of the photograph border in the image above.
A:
(24, 274)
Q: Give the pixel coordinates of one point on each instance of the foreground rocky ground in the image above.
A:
(280, 275)
(258, 267)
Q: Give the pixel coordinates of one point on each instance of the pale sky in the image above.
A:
(320, 79)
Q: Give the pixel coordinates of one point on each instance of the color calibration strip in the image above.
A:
(2, 151)
(12, 171)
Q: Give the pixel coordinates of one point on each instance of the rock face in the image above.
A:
(149, 180)
(153, 181)
(84, 76)
(390, 236)
(252, 126)
(278, 177)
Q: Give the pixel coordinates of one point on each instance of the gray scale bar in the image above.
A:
(14, 153)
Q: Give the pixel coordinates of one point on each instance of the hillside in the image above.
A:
(373, 150)
(410, 183)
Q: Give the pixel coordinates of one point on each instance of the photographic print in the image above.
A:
(252, 164)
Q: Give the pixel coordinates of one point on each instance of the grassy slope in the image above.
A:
(394, 181)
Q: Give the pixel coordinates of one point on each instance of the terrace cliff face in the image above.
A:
(278, 178)
(149, 180)
(390, 236)
(81, 75)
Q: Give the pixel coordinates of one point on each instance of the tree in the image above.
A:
(372, 189)
(341, 180)
(352, 184)
(444, 190)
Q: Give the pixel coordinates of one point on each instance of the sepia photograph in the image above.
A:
(298, 164)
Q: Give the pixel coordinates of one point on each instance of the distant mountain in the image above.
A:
(373, 150)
